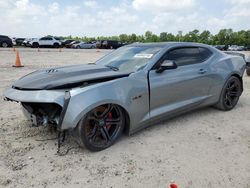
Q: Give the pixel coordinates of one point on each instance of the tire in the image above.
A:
(4, 44)
(230, 94)
(78, 47)
(101, 127)
(248, 72)
(56, 45)
(35, 45)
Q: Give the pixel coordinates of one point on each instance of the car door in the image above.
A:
(49, 41)
(186, 86)
(88, 45)
(42, 41)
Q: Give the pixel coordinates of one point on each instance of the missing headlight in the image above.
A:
(43, 113)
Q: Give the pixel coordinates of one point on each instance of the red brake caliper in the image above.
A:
(110, 117)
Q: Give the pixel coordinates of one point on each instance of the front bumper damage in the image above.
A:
(41, 107)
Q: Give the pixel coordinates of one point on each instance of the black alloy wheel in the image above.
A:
(101, 127)
(230, 94)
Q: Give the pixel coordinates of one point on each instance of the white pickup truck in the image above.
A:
(45, 41)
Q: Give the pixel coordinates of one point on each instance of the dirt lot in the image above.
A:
(205, 148)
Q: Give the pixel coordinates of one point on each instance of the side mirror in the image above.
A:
(166, 65)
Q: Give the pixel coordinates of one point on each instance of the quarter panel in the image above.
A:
(222, 69)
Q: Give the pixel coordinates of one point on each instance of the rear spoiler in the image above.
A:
(236, 53)
(246, 58)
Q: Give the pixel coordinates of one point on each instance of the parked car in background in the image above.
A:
(19, 41)
(99, 43)
(221, 47)
(26, 42)
(67, 41)
(247, 47)
(248, 65)
(5, 41)
(84, 45)
(111, 44)
(72, 43)
(236, 48)
(13, 41)
(59, 39)
(45, 42)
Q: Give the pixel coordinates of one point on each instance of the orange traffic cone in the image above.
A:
(173, 185)
(18, 62)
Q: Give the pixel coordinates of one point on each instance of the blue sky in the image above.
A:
(35, 18)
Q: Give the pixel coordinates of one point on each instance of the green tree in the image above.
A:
(205, 37)
(148, 36)
(133, 38)
(163, 37)
(123, 37)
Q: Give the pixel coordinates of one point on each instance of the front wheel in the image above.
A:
(101, 127)
(230, 94)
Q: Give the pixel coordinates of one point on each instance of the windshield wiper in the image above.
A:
(112, 67)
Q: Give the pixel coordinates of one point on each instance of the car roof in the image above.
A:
(168, 44)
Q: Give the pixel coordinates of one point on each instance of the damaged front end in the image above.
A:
(40, 106)
(47, 113)
(42, 113)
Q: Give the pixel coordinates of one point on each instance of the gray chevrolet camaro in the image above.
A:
(129, 89)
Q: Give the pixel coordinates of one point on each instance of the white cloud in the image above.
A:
(22, 4)
(53, 8)
(29, 18)
(90, 4)
(162, 5)
(240, 1)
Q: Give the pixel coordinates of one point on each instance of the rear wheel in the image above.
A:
(101, 127)
(230, 94)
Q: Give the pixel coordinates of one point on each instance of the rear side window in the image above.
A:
(205, 53)
(188, 55)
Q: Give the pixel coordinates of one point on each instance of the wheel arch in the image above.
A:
(125, 113)
(74, 119)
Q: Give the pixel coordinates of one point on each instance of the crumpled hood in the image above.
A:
(66, 77)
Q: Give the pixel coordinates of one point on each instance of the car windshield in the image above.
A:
(129, 59)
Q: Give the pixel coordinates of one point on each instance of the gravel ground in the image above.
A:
(204, 148)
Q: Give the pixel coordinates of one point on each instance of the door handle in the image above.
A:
(202, 71)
